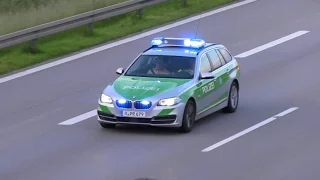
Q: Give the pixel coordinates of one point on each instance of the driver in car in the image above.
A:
(191, 68)
(160, 68)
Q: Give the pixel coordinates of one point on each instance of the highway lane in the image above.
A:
(88, 152)
(87, 76)
(71, 89)
(84, 151)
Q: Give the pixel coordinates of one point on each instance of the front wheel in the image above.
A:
(188, 117)
(233, 99)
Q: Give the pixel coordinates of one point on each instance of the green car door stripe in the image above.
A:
(197, 92)
(105, 109)
(215, 103)
(137, 88)
(165, 112)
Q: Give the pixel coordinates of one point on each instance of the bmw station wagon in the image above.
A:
(173, 83)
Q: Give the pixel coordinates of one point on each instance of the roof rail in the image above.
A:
(149, 48)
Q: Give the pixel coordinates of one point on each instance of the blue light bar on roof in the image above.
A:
(195, 43)
(184, 42)
(157, 41)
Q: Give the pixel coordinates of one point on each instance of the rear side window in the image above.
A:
(214, 59)
(221, 58)
(226, 55)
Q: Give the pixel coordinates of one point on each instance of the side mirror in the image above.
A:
(206, 76)
(120, 71)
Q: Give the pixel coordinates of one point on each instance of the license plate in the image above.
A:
(133, 113)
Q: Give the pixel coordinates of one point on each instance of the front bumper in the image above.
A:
(155, 116)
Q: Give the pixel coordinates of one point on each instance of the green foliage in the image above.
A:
(18, 5)
(21, 14)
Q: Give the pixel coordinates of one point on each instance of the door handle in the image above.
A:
(228, 71)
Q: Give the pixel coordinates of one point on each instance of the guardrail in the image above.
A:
(88, 18)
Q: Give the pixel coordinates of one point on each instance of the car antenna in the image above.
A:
(197, 27)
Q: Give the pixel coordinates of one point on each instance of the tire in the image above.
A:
(188, 117)
(107, 125)
(233, 99)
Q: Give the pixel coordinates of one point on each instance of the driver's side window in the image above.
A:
(205, 64)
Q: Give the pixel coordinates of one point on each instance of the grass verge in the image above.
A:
(21, 14)
(17, 57)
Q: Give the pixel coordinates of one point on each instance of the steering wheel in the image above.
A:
(183, 74)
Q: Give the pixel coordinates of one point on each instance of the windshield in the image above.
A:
(161, 66)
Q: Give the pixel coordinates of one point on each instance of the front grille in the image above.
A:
(133, 120)
(163, 122)
(106, 116)
(137, 104)
(140, 105)
(169, 119)
(126, 105)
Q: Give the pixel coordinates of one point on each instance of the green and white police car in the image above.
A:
(172, 84)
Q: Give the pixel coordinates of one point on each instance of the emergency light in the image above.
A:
(182, 42)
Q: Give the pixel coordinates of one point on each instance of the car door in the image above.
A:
(228, 68)
(221, 77)
(204, 86)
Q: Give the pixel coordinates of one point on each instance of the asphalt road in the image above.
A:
(34, 147)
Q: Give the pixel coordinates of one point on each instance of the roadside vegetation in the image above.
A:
(17, 57)
(21, 14)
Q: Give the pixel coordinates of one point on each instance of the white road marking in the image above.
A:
(117, 43)
(286, 112)
(246, 131)
(79, 118)
(225, 141)
(271, 44)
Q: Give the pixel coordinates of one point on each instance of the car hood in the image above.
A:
(142, 87)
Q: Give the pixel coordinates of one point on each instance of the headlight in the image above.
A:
(169, 101)
(105, 99)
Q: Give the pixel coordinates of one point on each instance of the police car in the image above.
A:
(173, 83)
